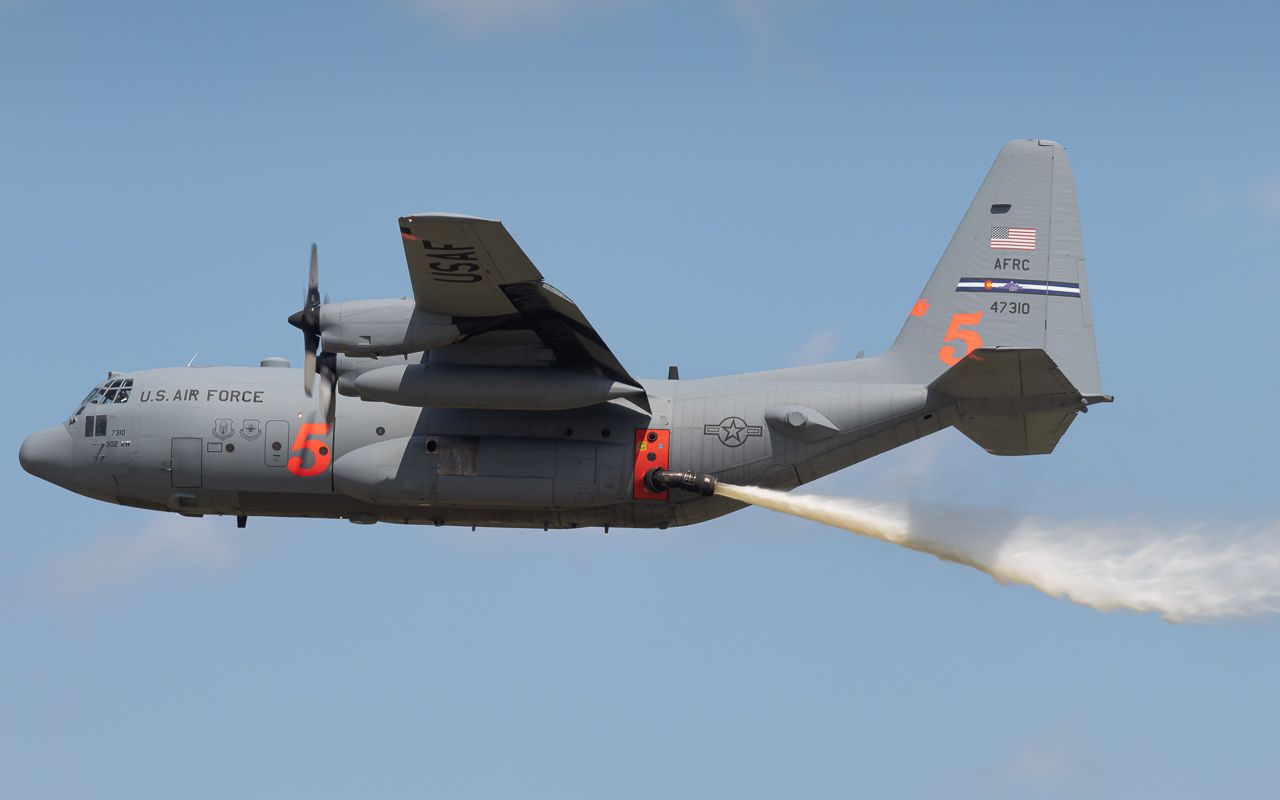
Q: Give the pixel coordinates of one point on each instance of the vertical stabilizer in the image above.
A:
(1013, 275)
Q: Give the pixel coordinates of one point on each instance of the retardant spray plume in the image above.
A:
(1185, 575)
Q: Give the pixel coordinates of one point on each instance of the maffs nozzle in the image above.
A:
(659, 479)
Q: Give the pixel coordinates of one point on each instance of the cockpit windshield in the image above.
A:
(112, 392)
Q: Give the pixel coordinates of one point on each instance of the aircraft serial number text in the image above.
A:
(1006, 307)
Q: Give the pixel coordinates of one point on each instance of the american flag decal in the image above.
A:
(1013, 238)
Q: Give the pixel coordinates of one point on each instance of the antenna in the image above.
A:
(193, 360)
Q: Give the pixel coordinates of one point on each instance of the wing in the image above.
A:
(472, 270)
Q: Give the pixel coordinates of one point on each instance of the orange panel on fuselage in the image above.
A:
(653, 449)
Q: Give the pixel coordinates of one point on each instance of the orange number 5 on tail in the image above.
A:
(950, 354)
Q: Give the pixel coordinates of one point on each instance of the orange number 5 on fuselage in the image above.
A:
(319, 450)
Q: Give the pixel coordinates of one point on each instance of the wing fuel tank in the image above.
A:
(493, 388)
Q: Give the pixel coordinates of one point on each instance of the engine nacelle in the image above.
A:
(382, 328)
(349, 368)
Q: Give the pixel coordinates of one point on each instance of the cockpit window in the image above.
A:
(116, 391)
(113, 392)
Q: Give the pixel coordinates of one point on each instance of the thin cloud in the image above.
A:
(769, 26)
(1264, 197)
(822, 345)
(487, 16)
(166, 544)
(761, 21)
(1056, 758)
(912, 470)
(757, 22)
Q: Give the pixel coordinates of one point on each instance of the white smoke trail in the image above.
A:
(1186, 574)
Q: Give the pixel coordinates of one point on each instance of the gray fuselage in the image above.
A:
(231, 440)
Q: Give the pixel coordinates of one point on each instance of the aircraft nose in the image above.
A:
(47, 454)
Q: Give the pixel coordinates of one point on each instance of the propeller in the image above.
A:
(307, 320)
(328, 369)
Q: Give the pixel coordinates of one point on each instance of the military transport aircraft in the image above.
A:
(489, 399)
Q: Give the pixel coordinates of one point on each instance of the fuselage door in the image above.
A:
(186, 454)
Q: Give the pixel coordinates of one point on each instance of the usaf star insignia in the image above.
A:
(732, 431)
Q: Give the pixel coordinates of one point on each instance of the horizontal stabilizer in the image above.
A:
(1023, 435)
(1010, 401)
(1004, 373)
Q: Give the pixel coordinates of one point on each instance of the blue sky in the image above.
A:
(773, 181)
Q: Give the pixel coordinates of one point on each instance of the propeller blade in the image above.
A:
(328, 371)
(326, 395)
(308, 321)
(313, 279)
(309, 371)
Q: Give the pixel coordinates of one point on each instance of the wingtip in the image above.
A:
(430, 215)
(1030, 145)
